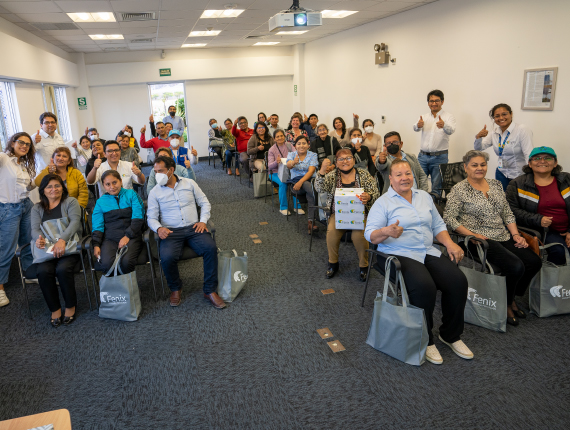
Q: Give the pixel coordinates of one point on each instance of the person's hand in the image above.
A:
(97, 162)
(193, 151)
(151, 118)
(235, 122)
(97, 252)
(143, 129)
(74, 145)
(135, 169)
(455, 252)
(305, 119)
(260, 148)
(86, 131)
(296, 160)
(324, 167)
(220, 129)
(440, 123)
(420, 123)
(297, 186)
(394, 230)
(163, 232)
(186, 161)
(356, 116)
(40, 242)
(520, 241)
(51, 166)
(59, 248)
(124, 240)
(364, 198)
(546, 221)
(358, 146)
(567, 236)
(383, 156)
(331, 168)
(482, 133)
(38, 137)
(479, 236)
(200, 227)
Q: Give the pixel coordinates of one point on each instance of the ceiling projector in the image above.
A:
(295, 16)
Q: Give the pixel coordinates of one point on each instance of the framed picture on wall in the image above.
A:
(539, 86)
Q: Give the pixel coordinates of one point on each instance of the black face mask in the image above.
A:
(172, 113)
(346, 172)
(393, 148)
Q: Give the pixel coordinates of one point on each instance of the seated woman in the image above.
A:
(56, 203)
(259, 144)
(478, 207)
(295, 131)
(82, 152)
(117, 220)
(127, 153)
(395, 225)
(185, 171)
(346, 175)
(363, 157)
(280, 150)
(229, 146)
(539, 199)
(62, 165)
(325, 146)
(302, 164)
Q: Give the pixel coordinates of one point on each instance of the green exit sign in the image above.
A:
(82, 102)
(165, 72)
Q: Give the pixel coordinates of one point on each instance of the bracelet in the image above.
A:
(516, 234)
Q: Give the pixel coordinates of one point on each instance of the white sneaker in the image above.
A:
(459, 348)
(433, 355)
(32, 281)
(3, 298)
(299, 211)
(285, 212)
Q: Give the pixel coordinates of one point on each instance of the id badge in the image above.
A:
(500, 165)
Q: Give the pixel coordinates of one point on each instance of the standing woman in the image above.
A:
(17, 168)
(280, 150)
(362, 156)
(82, 152)
(259, 144)
(511, 141)
(55, 203)
(296, 130)
(261, 118)
(340, 131)
(61, 165)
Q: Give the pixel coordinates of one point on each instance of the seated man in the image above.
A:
(180, 171)
(172, 214)
(179, 153)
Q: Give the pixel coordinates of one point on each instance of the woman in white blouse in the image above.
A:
(511, 141)
(17, 168)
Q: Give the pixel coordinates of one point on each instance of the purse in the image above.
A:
(533, 242)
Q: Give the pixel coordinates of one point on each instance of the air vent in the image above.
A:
(115, 49)
(44, 26)
(255, 37)
(136, 16)
(142, 40)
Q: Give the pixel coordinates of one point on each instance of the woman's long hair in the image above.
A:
(266, 136)
(44, 202)
(29, 160)
(343, 126)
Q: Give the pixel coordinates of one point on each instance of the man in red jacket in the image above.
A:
(242, 135)
(160, 141)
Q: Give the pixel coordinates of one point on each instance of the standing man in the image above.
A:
(273, 124)
(310, 125)
(436, 127)
(176, 121)
(46, 140)
(160, 141)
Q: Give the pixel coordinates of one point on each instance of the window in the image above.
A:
(164, 95)
(9, 116)
(55, 100)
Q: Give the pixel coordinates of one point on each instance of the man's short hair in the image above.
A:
(111, 142)
(168, 162)
(159, 122)
(313, 115)
(47, 115)
(397, 162)
(240, 118)
(92, 129)
(436, 93)
(163, 149)
(392, 133)
(273, 114)
(171, 106)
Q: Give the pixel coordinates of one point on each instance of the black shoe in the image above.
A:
(363, 274)
(519, 313)
(69, 320)
(512, 321)
(56, 322)
(333, 268)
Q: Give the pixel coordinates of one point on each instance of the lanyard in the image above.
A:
(502, 146)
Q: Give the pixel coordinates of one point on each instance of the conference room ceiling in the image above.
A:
(175, 19)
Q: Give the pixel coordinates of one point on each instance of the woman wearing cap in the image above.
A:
(511, 141)
(540, 199)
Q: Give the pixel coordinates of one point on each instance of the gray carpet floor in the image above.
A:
(260, 364)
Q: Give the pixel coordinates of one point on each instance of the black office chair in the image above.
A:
(215, 145)
(317, 218)
(379, 181)
(451, 174)
(301, 198)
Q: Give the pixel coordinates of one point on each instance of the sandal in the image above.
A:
(56, 322)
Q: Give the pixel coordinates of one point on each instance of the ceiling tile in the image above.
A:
(76, 38)
(84, 6)
(241, 26)
(11, 17)
(94, 25)
(197, 5)
(45, 17)
(271, 4)
(139, 24)
(135, 5)
(65, 32)
(219, 4)
(392, 6)
(145, 31)
(254, 13)
(180, 14)
(27, 6)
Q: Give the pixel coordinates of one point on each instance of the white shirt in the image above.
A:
(125, 170)
(516, 151)
(45, 148)
(14, 179)
(433, 138)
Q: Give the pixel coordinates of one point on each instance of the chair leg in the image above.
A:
(367, 279)
(23, 279)
(152, 272)
(85, 279)
(311, 240)
(160, 268)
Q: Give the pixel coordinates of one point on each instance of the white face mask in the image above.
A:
(174, 143)
(356, 140)
(368, 129)
(161, 179)
(93, 137)
(126, 133)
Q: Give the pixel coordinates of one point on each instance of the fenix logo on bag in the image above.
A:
(341, 203)
(560, 292)
(478, 300)
(349, 211)
(240, 277)
(354, 223)
(106, 298)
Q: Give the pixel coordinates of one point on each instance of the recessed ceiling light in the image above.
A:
(106, 36)
(194, 45)
(204, 33)
(291, 32)
(92, 17)
(265, 43)
(337, 13)
(226, 13)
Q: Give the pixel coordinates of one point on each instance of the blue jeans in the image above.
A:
(556, 254)
(430, 166)
(202, 244)
(15, 230)
(282, 191)
(502, 178)
(229, 155)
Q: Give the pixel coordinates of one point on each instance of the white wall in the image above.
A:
(475, 51)
(30, 104)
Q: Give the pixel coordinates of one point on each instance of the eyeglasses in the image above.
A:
(112, 151)
(50, 122)
(396, 142)
(344, 159)
(53, 187)
(499, 115)
(242, 122)
(545, 158)
(23, 143)
(434, 101)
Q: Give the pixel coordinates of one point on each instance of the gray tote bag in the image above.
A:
(53, 230)
(549, 291)
(486, 304)
(260, 185)
(398, 329)
(232, 274)
(120, 298)
(283, 172)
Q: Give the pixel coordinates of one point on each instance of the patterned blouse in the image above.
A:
(487, 216)
(290, 136)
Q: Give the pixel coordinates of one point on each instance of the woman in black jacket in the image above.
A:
(540, 199)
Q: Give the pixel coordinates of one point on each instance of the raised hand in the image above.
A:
(135, 169)
(163, 232)
(40, 242)
(186, 161)
(440, 123)
(325, 166)
(235, 122)
(394, 230)
(383, 156)
(482, 133)
(51, 166)
(74, 145)
(151, 118)
(97, 162)
(356, 116)
(420, 123)
(193, 151)
(143, 129)
(124, 128)
(296, 160)
(86, 130)
(38, 137)
(305, 119)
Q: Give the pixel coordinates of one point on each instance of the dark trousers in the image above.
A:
(422, 282)
(64, 270)
(202, 244)
(556, 254)
(128, 262)
(503, 179)
(518, 265)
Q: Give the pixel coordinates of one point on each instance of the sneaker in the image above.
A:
(285, 212)
(433, 355)
(459, 348)
(3, 298)
(299, 211)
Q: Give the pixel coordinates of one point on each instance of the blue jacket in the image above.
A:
(181, 153)
(117, 216)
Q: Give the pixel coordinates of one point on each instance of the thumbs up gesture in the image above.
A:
(87, 131)
(296, 160)
(482, 133)
(51, 166)
(356, 116)
(440, 122)
(305, 119)
(186, 161)
(420, 123)
(38, 137)
(97, 162)
(151, 118)
(193, 151)
(40, 242)
(394, 230)
(382, 157)
(135, 169)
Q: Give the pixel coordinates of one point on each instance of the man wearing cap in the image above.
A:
(179, 153)
(540, 199)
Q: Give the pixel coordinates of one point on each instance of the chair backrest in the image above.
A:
(451, 174)
(379, 182)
